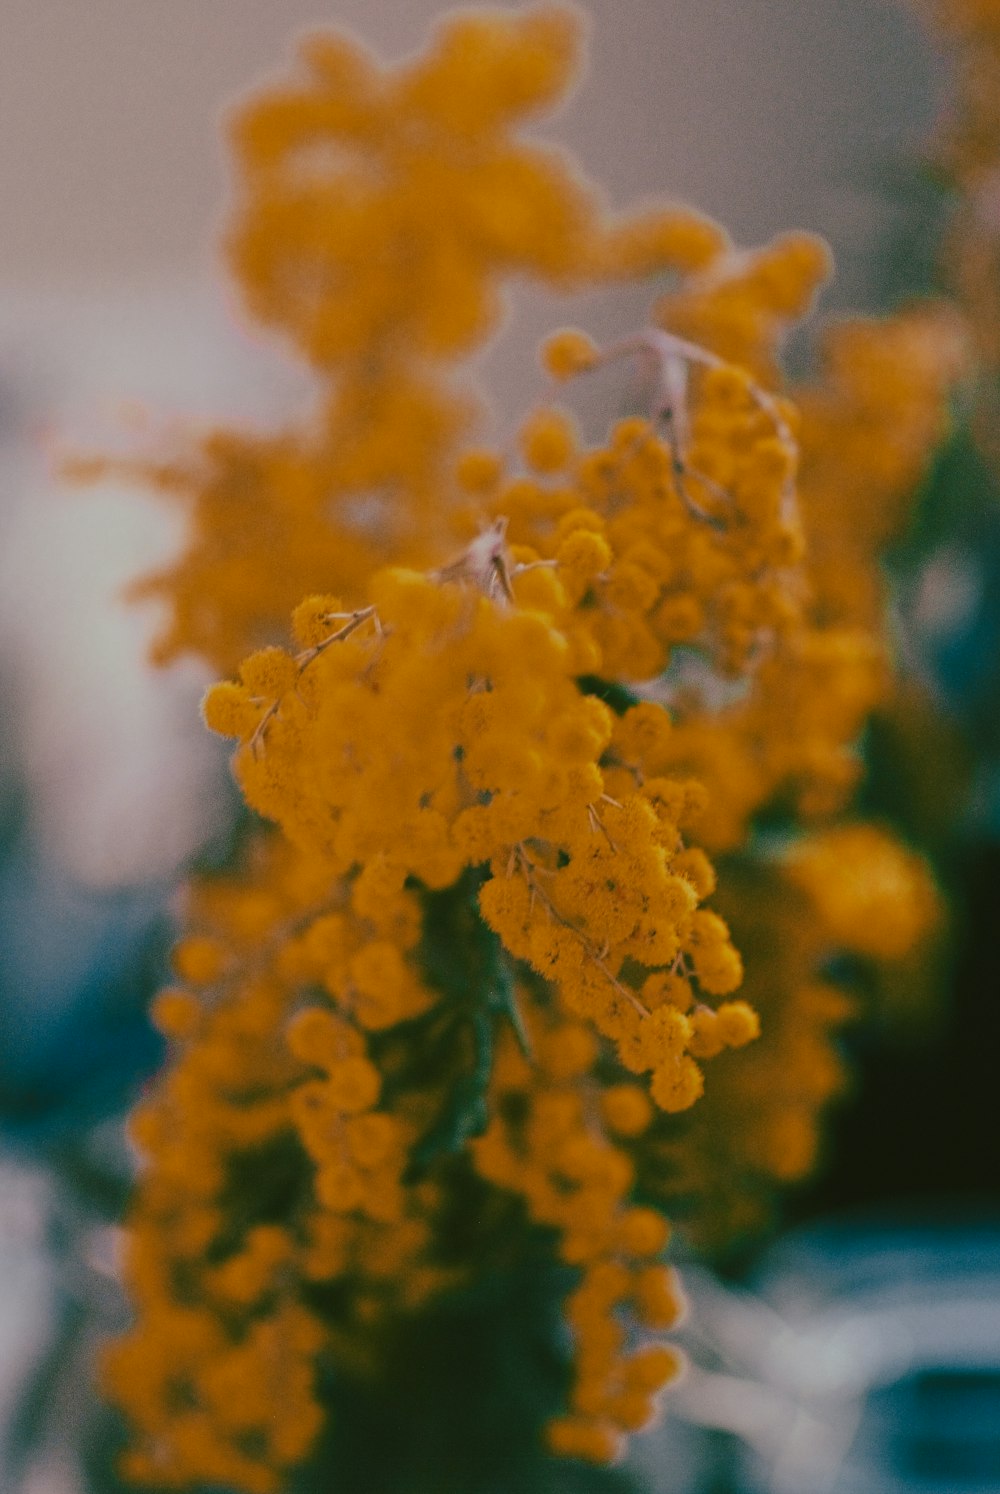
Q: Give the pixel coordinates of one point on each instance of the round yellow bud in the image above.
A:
(568, 353)
(738, 1023)
(548, 440)
(626, 1109)
(198, 960)
(175, 1013)
(479, 471)
(677, 1084)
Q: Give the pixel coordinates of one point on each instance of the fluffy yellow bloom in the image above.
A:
(270, 1100)
(849, 888)
(509, 717)
(380, 212)
(872, 896)
(461, 757)
(575, 1179)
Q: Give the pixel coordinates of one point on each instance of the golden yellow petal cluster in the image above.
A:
(506, 719)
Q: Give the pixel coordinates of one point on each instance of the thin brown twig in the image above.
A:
(528, 869)
(307, 656)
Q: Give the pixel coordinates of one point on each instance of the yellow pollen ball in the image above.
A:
(354, 1085)
(568, 353)
(479, 471)
(175, 1013)
(626, 1109)
(583, 555)
(677, 1084)
(548, 441)
(738, 1023)
(197, 960)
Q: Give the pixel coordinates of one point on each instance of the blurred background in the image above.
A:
(768, 114)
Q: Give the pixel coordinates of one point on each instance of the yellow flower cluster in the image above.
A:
(872, 897)
(526, 696)
(647, 587)
(443, 730)
(745, 304)
(380, 212)
(551, 1142)
(866, 430)
(624, 570)
(879, 408)
(273, 1168)
(846, 890)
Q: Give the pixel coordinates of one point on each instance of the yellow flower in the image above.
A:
(514, 728)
